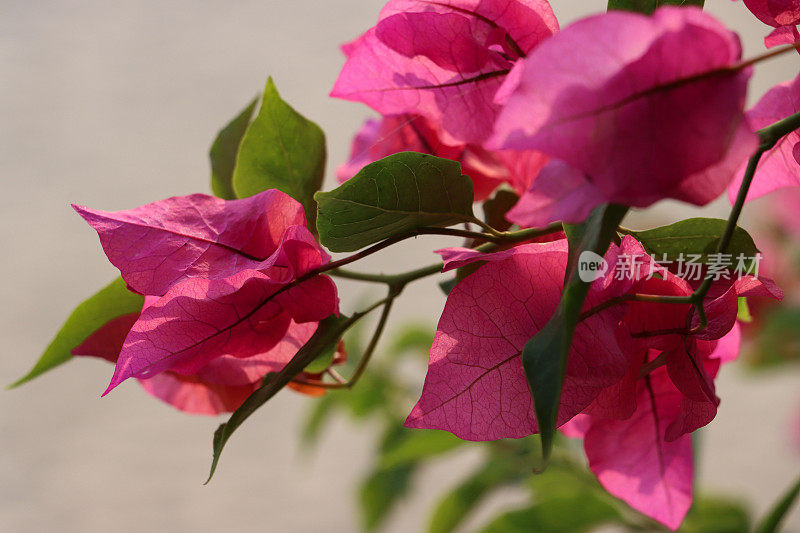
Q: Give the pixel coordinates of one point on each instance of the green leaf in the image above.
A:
(544, 357)
(771, 522)
(420, 445)
(715, 515)
(648, 6)
(281, 150)
(224, 150)
(318, 415)
(555, 516)
(454, 508)
(448, 285)
(778, 340)
(113, 301)
(495, 209)
(391, 196)
(323, 362)
(328, 334)
(744, 315)
(696, 236)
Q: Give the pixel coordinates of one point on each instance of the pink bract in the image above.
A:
(443, 60)
(597, 110)
(642, 456)
(636, 378)
(778, 167)
(219, 387)
(775, 12)
(632, 459)
(200, 320)
(782, 35)
(162, 243)
(476, 387)
(222, 279)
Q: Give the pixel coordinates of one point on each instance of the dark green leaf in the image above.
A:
(714, 515)
(113, 301)
(391, 196)
(455, 507)
(448, 285)
(771, 522)
(328, 333)
(495, 209)
(743, 315)
(544, 357)
(223, 152)
(420, 445)
(698, 236)
(648, 6)
(281, 150)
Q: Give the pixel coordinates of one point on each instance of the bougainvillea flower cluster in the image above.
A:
(634, 369)
(616, 111)
(598, 112)
(221, 310)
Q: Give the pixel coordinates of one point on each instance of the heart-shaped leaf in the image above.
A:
(113, 301)
(224, 150)
(281, 150)
(648, 6)
(699, 237)
(391, 196)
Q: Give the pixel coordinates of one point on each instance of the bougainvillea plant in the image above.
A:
(558, 318)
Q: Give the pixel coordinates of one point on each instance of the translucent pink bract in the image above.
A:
(219, 387)
(597, 110)
(778, 167)
(775, 12)
(159, 244)
(476, 387)
(443, 60)
(223, 283)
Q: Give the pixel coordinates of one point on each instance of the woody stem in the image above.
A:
(769, 138)
(497, 242)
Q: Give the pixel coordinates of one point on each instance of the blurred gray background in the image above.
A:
(113, 105)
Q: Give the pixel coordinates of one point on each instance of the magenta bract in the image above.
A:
(443, 60)
(599, 111)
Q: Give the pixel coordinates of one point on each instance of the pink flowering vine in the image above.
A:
(557, 317)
